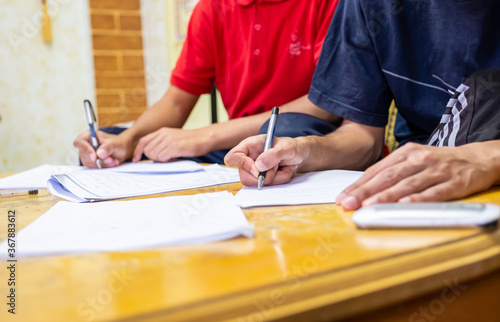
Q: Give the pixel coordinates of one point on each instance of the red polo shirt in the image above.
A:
(259, 53)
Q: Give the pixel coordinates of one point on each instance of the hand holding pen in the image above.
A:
(92, 121)
(269, 141)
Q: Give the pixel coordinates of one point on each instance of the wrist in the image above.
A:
(489, 154)
(206, 137)
(304, 145)
(130, 139)
(209, 138)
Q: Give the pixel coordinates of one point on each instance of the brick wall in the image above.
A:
(118, 60)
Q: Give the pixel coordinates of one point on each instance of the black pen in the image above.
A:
(92, 120)
(269, 141)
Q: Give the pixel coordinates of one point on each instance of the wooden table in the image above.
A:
(305, 263)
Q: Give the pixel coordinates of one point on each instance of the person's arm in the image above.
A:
(352, 146)
(167, 143)
(171, 111)
(228, 134)
(413, 173)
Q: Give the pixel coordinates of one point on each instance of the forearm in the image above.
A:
(351, 147)
(172, 110)
(228, 134)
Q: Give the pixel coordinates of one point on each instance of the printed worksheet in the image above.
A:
(85, 186)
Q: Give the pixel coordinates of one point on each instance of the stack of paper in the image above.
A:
(81, 184)
(131, 225)
(38, 177)
(98, 185)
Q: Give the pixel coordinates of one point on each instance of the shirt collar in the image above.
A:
(249, 2)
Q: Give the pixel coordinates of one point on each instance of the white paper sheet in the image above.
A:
(36, 177)
(84, 186)
(306, 188)
(131, 225)
(156, 167)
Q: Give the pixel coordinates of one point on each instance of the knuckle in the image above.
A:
(443, 170)
(427, 157)
(371, 171)
(411, 147)
(412, 183)
(456, 181)
(391, 176)
(247, 180)
(439, 194)
(386, 196)
(421, 157)
(361, 193)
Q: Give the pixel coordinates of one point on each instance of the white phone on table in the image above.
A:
(427, 214)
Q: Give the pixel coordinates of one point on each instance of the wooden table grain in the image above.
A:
(305, 263)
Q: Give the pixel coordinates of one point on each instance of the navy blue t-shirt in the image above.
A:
(412, 51)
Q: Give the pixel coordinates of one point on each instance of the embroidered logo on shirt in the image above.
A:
(296, 46)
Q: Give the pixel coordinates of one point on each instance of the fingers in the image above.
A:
(440, 192)
(247, 170)
(162, 149)
(388, 185)
(250, 147)
(283, 155)
(421, 181)
(243, 156)
(86, 150)
(274, 176)
(391, 178)
(109, 151)
(416, 174)
(243, 162)
(246, 178)
(284, 175)
(395, 158)
(249, 180)
(105, 152)
(143, 142)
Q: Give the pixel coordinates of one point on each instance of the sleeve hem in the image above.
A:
(189, 87)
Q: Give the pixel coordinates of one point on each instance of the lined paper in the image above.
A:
(85, 186)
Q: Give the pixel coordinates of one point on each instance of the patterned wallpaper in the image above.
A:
(42, 86)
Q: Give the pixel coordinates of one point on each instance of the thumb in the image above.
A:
(105, 150)
(264, 162)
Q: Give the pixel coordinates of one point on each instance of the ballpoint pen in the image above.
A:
(17, 192)
(91, 119)
(269, 141)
